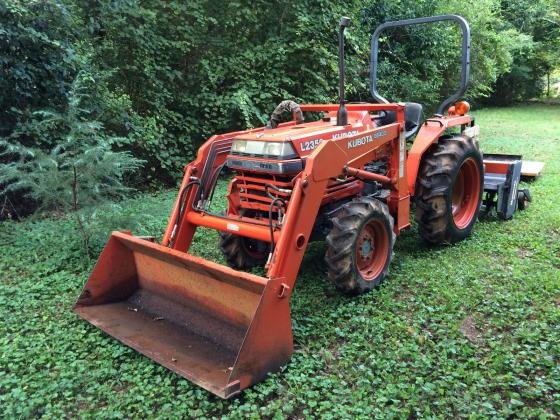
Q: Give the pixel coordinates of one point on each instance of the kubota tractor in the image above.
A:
(347, 177)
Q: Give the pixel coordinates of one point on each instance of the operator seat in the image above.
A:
(412, 118)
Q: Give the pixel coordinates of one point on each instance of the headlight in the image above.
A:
(239, 146)
(265, 149)
(274, 149)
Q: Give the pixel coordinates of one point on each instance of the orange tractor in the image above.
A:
(348, 177)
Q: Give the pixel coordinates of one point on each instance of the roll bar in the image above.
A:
(465, 54)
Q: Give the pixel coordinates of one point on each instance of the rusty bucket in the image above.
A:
(220, 328)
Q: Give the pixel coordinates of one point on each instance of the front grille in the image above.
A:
(252, 190)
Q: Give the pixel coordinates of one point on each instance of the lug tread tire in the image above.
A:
(341, 244)
(235, 254)
(433, 189)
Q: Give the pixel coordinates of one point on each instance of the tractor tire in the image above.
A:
(523, 199)
(449, 190)
(243, 253)
(360, 245)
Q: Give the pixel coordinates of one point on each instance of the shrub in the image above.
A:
(80, 172)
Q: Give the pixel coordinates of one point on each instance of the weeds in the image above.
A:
(458, 331)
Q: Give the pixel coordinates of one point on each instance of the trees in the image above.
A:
(421, 63)
(188, 71)
(168, 74)
(54, 151)
(78, 173)
(37, 65)
(537, 52)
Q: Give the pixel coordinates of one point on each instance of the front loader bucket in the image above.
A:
(220, 328)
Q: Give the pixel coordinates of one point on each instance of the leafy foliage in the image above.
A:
(37, 65)
(81, 168)
(78, 173)
(469, 330)
(166, 75)
(55, 153)
(191, 71)
(537, 52)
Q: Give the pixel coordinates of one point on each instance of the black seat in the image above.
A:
(412, 118)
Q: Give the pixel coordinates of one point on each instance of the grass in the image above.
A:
(470, 330)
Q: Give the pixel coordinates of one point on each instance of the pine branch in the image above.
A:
(75, 207)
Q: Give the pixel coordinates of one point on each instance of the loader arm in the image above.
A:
(220, 328)
(328, 161)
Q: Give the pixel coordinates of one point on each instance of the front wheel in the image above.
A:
(360, 245)
(449, 190)
(243, 253)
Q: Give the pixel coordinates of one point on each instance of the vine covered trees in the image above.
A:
(163, 75)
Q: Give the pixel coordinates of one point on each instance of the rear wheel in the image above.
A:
(449, 190)
(360, 245)
(243, 253)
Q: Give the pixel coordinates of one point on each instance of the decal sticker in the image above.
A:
(360, 141)
(232, 226)
(514, 195)
(338, 136)
(309, 145)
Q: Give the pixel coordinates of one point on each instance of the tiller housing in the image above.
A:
(347, 177)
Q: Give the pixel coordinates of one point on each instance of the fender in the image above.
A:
(430, 132)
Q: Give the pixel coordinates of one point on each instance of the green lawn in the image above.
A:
(465, 330)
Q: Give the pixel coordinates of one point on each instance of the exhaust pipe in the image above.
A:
(342, 115)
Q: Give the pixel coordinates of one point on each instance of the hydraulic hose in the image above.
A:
(182, 200)
(270, 222)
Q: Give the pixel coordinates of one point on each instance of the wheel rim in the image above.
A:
(371, 250)
(465, 193)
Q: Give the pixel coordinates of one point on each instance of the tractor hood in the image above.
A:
(306, 137)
